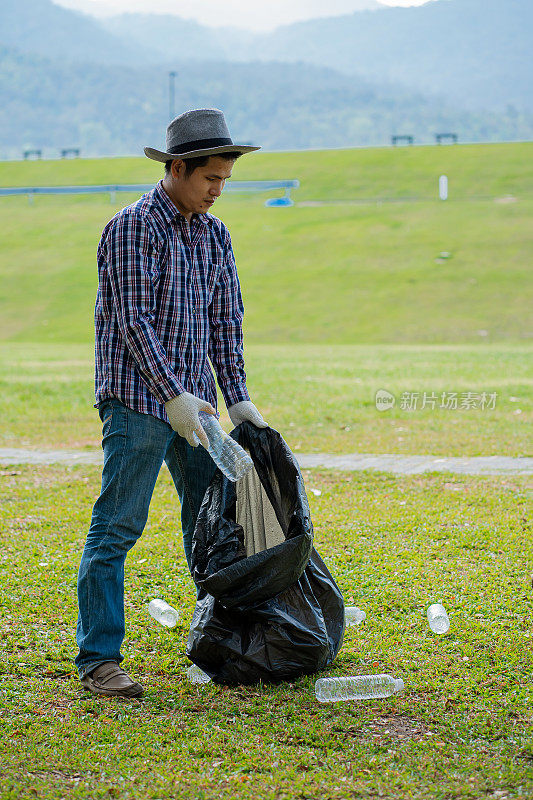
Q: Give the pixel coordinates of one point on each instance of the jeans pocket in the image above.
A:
(106, 415)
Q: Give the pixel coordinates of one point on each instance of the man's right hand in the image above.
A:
(182, 412)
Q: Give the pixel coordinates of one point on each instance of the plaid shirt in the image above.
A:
(168, 298)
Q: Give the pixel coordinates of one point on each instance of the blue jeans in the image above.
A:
(135, 446)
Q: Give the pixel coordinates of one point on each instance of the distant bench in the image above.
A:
(112, 189)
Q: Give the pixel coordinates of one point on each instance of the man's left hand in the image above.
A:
(246, 411)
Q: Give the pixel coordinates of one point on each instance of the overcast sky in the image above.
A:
(252, 14)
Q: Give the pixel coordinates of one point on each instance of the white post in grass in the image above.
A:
(443, 187)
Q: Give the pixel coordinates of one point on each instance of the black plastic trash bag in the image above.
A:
(267, 609)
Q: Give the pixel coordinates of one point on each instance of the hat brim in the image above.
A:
(159, 155)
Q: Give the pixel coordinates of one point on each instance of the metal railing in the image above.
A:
(112, 189)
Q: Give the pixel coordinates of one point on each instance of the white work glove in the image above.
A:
(182, 412)
(246, 411)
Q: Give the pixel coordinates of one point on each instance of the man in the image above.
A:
(168, 299)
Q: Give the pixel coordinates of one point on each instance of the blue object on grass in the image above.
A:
(279, 201)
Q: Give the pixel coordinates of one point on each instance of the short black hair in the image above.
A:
(200, 161)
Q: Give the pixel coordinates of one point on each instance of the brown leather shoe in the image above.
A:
(109, 679)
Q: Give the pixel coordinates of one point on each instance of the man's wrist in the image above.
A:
(167, 391)
(235, 394)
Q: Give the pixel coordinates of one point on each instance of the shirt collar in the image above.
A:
(170, 212)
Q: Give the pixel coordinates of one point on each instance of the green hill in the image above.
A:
(354, 261)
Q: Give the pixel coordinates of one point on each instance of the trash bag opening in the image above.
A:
(245, 555)
(280, 476)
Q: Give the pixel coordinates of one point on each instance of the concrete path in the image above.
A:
(413, 465)
(402, 465)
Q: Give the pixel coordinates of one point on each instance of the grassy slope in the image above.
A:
(461, 729)
(329, 274)
(473, 170)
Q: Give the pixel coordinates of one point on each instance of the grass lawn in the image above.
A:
(463, 728)
(322, 399)
(341, 301)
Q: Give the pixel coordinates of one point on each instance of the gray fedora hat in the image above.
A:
(202, 132)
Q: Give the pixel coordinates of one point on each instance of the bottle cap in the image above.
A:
(399, 685)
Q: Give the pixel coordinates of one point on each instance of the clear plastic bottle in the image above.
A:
(357, 687)
(197, 675)
(438, 619)
(227, 454)
(353, 616)
(163, 613)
